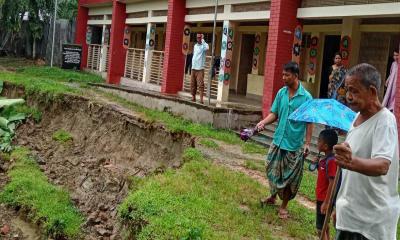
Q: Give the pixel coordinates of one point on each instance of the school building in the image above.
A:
(148, 44)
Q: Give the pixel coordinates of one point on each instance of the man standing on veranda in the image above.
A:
(368, 205)
(198, 63)
(285, 160)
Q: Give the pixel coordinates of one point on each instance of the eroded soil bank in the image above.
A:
(109, 145)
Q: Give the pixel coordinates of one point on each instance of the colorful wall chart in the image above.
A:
(186, 39)
(88, 35)
(127, 37)
(256, 54)
(226, 53)
(312, 65)
(296, 49)
(345, 48)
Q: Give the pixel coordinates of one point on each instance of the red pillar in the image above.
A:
(282, 23)
(80, 35)
(117, 51)
(174, 60)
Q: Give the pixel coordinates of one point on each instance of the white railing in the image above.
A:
(107, 59)
(156, 67)
(134, 64)
(214, 82)
(323, 3)
(94, 56)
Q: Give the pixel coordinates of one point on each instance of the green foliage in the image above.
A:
(9, 120)
(250, 147)
(192, 154)
(13, 11)
(206, 201)
(209, 143)
(67, 9)
(49, 206)
(62, 136)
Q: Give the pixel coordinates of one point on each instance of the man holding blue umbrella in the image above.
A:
(284, 167)
(368, 204)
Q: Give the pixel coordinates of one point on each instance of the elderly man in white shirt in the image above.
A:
(368, 204)
(198, 63)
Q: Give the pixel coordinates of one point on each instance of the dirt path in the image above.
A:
(232, 157)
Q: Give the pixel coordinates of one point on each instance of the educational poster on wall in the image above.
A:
(296, 51)
(186, 40)
(89, 32)
(71, 56)
(226, 52)
(127, 37)
(312, 65)
(256, 54)
(345, 48)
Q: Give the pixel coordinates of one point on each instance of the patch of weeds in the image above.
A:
(209, 143)
(255, 165)
(250, 147)
(62, 136)
(192, 154)
(49, 206)
(5, 156)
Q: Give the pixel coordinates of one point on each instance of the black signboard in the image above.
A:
(71, 56)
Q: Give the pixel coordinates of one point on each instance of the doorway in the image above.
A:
(245, 62)
(97, 34)
(331, 46)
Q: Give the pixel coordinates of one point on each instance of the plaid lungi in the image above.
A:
(284, 169)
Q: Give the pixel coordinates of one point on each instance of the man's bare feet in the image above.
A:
(283, 213)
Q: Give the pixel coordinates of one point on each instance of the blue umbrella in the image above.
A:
(325, 111)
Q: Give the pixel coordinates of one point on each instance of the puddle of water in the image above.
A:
(30, 231)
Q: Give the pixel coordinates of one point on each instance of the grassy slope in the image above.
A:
(208, 200)
(49, 205)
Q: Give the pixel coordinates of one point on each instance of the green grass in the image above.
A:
(50, 82)
(177, 124)
(255, 165)
(62, 136)
(58, 74)
(192, 154)
(209, 143)
(49, 205)
(208, 201)
(308, 183)
(250, 147)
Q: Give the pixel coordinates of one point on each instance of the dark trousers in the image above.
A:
(344, 235)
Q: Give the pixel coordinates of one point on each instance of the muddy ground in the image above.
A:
(109, 145)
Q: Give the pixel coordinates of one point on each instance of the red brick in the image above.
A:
(117, 51)
(174, 60)
(80, 36)
(279, 49)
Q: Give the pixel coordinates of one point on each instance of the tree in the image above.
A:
(38, 13)
(67, 9)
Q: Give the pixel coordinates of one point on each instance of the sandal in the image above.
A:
(283, 214)
(268, 201)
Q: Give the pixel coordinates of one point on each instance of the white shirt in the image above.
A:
(370, 205)
(199, 55)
